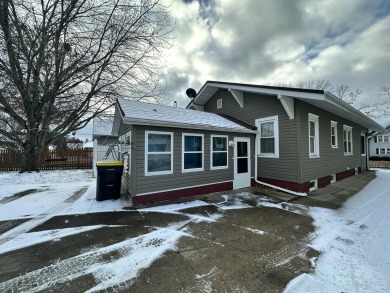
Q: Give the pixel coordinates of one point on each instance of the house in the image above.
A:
(105, 144)
(380, 144)
(233, 135)
(101, 131)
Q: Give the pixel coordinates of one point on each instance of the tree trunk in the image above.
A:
(30, 158)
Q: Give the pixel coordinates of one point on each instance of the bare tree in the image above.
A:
(379, 109)
(62, 62)
(350, 96)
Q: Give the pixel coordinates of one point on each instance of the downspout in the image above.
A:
(267, 184)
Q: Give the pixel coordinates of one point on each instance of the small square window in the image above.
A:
(313, 185)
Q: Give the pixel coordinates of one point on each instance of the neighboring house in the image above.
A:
(380, 144)
(105, 144)
(102, 131)
(291, 139)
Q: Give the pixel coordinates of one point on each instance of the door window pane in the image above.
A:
(242, 165)
(242, 149)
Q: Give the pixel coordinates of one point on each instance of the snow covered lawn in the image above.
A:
(354, 241)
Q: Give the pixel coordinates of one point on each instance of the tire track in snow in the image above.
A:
(41, 218)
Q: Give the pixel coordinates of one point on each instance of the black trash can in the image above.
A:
(108, 183)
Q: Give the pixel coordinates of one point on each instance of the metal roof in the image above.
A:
(140, 113)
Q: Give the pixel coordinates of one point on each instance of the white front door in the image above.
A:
(242, 163)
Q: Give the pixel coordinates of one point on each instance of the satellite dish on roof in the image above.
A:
(191, 93)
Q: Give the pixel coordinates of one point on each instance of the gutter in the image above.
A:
(267, 184)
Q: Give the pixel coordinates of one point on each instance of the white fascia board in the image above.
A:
(158, 123)
(239, 96)
(260, 90)
(288, 105)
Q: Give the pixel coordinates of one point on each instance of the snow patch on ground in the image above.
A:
(32, 238)
(355, 244)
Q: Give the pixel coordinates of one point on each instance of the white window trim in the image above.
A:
(333, 178)
(314, 118)
(333, 124)
(147, 153)
(315, 181)
(275, 120)
(362, 134)
(211, 152)
(182, 153)
(346, 152)
(219, 104)
(382, 137)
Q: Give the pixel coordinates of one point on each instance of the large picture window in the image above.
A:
(347, 135)
(268, 136)
(314, 142)
(219, 152)
(158, 152)
(192, 147)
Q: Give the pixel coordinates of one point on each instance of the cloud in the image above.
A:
(274, 41)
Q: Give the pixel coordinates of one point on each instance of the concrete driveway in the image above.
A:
(248, 241)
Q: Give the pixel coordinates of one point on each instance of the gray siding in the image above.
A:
(259, 106)
(156, 183)
(331, 160)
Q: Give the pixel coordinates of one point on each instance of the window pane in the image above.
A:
(333, 140)
(192, 143)
(388, 151)
(312, 129)
(386, 138)
(159, 162)
(382, 151)
(380, 138)
(332, 130)
(267, 129)
(242, 149)
(312, 146)
(242, 165)
(192, 160)
(159, 142)
(267, 145)
(219, 144)
(219, 159)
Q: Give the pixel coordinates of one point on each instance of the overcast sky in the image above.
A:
(279, 41)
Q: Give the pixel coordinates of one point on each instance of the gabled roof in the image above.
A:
(318, 98)
(102, 126)
(139, 113)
